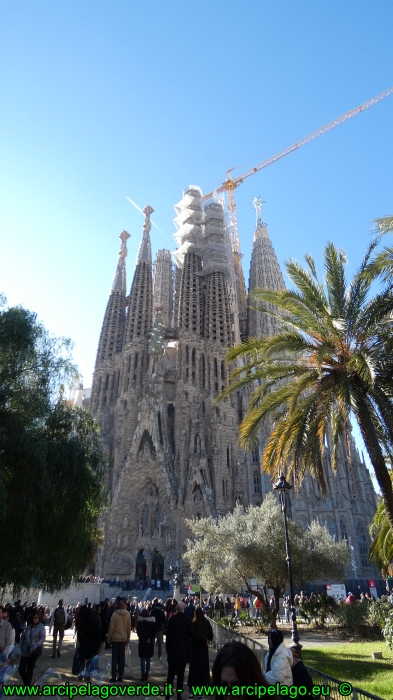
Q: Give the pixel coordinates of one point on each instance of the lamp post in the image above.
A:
(282, 486)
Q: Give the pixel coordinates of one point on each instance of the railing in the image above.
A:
(335, 685)
(222, 635)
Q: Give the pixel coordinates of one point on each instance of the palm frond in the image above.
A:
(335, 280)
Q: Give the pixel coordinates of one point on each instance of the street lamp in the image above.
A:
(282, 486)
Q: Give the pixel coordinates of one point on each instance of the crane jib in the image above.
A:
(231, 183)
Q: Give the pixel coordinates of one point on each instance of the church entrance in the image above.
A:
(157, 568)
(140, 573)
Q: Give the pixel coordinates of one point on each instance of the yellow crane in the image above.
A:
(229, 185)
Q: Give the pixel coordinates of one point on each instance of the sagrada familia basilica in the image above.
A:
(160, 366)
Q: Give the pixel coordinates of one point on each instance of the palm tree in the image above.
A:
(331, 361)
(381, 549)
(385, 224)
(382, 265)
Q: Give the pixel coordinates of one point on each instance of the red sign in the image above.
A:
(189, 588)
(371, 583)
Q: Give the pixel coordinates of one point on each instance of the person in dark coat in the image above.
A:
(300, 674)
(159, 616)
(202, 634)
(146, 631)
(88, 627)
(178, 646)
(17, 624)
(190, 609)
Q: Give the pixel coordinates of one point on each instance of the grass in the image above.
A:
(352, 662)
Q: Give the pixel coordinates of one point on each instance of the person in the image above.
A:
(300, 675)
(238, 606)
(6, 618)
(279, 660)
(88, 629)
(145, 629)
(31, 645)
(18, 608)
(58, 620)
(287, 608)
(159, 616)
(119, 635)
(178, 648)
(237, 665)
(351, 599)
(5, 631)
(202, 633)
(217, 608)
(190, 609)
(17, 624)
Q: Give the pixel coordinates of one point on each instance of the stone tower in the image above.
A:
(264, 273)
(160, 366)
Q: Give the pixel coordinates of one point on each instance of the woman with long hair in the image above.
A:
(237, 665)
(279, 661)
(202, 634)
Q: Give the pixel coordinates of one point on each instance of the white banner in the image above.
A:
(336, 590)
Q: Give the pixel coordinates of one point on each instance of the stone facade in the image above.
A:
(160, 365)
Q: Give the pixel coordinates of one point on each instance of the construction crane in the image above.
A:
(230, 184)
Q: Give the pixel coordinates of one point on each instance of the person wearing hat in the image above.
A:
(58, 620)
(178, 646)
(278, 664)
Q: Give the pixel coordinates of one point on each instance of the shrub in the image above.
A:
(388, 629)
(378, 611)
(319, 608)
(352, 617)
(227, 622)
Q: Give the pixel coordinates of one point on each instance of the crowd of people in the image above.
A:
(184, 624)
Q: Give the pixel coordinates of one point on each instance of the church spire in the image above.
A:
(140, 307)
(111, 338)
(119, 280)
(144, 251)
(265, 273)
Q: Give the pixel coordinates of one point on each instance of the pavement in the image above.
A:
(308, 638)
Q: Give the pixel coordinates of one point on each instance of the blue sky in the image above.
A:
(100, 101)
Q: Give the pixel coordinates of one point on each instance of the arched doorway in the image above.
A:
(157, 568)
(140, 573)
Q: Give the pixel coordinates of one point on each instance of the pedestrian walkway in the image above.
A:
(132, 675)
(158, 669)
(308, 638)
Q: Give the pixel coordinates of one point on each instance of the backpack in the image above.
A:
(59, 616)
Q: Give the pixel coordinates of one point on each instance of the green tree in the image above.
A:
(331, 362)
(381, 549)
(250, 543)
(51, 464)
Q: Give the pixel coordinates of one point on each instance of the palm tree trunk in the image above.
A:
(385, 483)
(382, 473)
